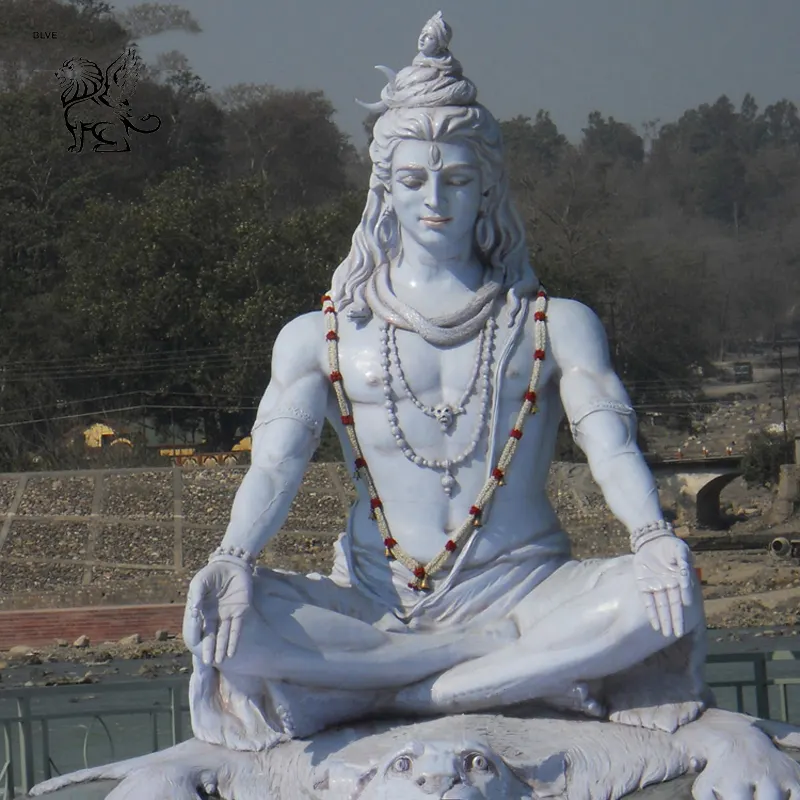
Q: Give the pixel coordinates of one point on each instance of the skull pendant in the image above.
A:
(444, 416)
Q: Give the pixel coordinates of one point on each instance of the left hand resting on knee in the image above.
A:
(663, 570)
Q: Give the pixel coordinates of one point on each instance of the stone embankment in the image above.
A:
(101, 541)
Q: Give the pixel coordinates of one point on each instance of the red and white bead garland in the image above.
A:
(394, 551)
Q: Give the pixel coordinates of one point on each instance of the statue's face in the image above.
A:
(427, 43)
(436, 195)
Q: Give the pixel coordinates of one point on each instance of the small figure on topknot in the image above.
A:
(434, 78)
(434, 41)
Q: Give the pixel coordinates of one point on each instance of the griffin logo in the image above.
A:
(100, 103)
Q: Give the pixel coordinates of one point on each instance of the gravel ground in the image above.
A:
(47, 540)
(300, 553)
(198, 544)
(8, 488)
(139, 495)
(136, 544)
(111, 578)
(20, 578)
(57, 496)
(208, 494)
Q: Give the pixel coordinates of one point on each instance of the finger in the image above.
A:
(703, 788)
(676, 610)
(233, 641)
(769, 790)
(650, 607)
(662, 604)
(192, 626)
(208, 647)
(743, 790)
(685, 583)
(222, 640)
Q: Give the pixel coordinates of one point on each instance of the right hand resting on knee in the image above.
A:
(218, 597)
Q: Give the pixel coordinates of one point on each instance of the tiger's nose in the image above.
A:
(437, 785)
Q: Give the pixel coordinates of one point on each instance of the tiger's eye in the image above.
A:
(402, 764)
(477, 762)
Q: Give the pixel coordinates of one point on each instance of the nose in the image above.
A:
(433, 199)
(437, 785)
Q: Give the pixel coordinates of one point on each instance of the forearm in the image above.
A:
(628, 488)
(620, 469)
(262, 504)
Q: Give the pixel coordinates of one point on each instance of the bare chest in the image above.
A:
(377, 364)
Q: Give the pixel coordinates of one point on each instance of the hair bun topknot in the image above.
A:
(434, 78)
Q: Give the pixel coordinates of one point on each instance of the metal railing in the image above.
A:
(761, 682)
(28, 716)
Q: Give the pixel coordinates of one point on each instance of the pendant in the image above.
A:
(444, 415)
(448, 482)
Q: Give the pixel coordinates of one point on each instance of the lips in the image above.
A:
(435, 220)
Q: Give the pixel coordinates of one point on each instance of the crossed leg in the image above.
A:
(585, 622)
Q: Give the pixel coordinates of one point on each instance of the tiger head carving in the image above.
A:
(440, 770)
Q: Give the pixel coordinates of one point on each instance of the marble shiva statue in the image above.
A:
(445, 368)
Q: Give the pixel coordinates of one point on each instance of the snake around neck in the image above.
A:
(445, 330)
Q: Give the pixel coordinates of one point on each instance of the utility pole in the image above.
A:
(779, 346)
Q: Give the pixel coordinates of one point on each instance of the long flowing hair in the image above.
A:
(499, 233)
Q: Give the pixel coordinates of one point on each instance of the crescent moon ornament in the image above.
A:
(380, 106)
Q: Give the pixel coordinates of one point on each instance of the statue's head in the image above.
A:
(438, 175)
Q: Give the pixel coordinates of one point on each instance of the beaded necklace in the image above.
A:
(393, 550)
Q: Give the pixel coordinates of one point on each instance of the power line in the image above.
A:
(114, 411)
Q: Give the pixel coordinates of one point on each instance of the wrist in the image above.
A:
(647, 533)
(234, 555)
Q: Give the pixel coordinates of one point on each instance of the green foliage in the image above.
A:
(167, 272)
(763, 457)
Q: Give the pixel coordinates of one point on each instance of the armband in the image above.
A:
(647, 533)
(290, 412)
(600, 404)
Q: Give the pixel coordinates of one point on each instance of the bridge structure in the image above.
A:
(698, 483)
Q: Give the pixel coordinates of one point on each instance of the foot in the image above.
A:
(577, 699)
(667, 717)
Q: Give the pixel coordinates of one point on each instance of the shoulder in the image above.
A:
(299, 344)
(576, 334)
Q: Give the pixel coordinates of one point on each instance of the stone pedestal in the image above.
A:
(480, 756)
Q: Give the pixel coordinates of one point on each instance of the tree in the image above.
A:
(289, 138)
(612, 141)
(193, 271)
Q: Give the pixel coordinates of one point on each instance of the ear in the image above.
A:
(547, 779)
(342, 778)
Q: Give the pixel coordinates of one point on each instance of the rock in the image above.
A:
(134, 638)
(62, 643)
(82, 642)
(162, 636)
(20, 650)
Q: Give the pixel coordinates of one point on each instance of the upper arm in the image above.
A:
(588, 382)
(292, 411)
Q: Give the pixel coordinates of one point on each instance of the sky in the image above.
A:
(635, 60)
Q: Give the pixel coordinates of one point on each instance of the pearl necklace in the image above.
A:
(421, 572)
(443, 413)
